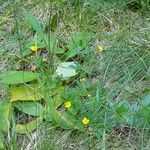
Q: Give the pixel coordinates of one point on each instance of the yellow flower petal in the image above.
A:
(67, 104)
(34, 48)
(85, 121)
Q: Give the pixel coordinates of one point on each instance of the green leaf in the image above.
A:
(122, 108)
(143, 117)
(52, 41)
(66, 69)
(49, 41)
(31, 108)
(66, 121)
(1, 140)
(26, 92)
(5, 115)
(57, 50)
(77, 43)
(57, 101)
(16, 77)
(29, 127)
(54, 22)
(36, 40)
(57, 98)
(146, 101)
(34, 23)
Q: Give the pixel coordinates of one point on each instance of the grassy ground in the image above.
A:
(123, 28)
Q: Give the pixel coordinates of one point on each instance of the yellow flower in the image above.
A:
(100, 48)
(34, 48)
(67, 104)
(89, 96)
(85, 121)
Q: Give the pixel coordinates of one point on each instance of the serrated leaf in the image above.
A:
(66, 69)
(26, 93)
(29, 127)
(16, 77)
(31, 108)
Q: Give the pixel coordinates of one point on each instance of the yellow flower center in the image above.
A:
(34, 48)
(100, 48)
(67, 104)
(89, 96)
(85, 121)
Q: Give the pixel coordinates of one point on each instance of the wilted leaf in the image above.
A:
(31, 108)
(26, 92)
(15, 77)
(29, 127)
(66, 69)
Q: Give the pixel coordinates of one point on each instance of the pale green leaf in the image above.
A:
(1, 140)
(66, 69)
(26, 92)
(16, 77)
(5, 115)
(29, 127)
(31, 108)
(57, 50)
(146, 101)
(66, 121)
